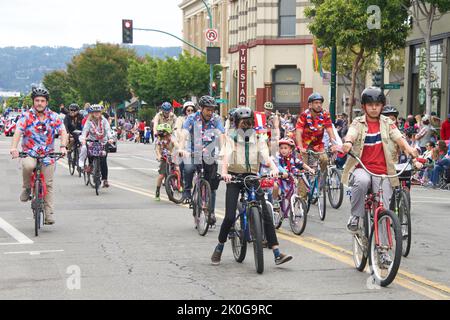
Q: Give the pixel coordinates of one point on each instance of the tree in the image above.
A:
(348, 24)
(61, 92)
(429, 11)
(100, 73)
(142, 79)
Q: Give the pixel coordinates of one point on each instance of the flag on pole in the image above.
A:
(176, 104)
(317, 56)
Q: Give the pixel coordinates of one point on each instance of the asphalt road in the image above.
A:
(124, 245)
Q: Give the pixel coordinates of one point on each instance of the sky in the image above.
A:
(77, 22)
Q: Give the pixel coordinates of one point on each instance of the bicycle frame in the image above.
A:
(290, 191)
(248, 199)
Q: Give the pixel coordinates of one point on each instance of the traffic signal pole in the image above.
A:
(211, 67)
(382, 70)
(333, 83)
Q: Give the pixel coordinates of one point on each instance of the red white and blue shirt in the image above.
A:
(373, 153)
(39, 135)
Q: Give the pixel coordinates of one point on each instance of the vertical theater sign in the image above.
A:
(242, 76)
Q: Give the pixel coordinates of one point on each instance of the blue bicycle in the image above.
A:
(315, 185)
(248, 226)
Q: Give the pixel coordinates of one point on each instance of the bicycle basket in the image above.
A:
(95, 149)
(267, 183)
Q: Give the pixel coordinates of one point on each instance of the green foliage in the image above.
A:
(19, 102)
(147, 113)
(58, 84)
(100, 73)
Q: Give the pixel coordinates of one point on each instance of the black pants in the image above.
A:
(231, 202)
(103, 166)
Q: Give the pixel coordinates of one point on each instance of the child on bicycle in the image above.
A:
(287, 163)
(164, 147)
(243, 153)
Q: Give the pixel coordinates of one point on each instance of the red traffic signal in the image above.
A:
(214, 86)
(127, 31)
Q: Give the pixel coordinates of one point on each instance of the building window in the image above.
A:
(287, 20)
(286, 87)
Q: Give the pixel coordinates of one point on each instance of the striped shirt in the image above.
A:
(373, 154)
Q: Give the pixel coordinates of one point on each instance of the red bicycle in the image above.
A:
(379, 238)
(38, 189)
(173, 182)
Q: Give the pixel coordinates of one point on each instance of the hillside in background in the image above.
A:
(21, 67)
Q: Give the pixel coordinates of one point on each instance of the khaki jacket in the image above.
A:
(235, 153)
(389, 134)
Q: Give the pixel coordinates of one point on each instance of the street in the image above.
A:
(124, 245)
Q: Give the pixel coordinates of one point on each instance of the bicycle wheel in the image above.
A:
(37, 206)
(96, 175)
(278, 215)
(237, 237)
(256, 237)
(174, 189)
(335, 189)
(384, 258)
(322, 201)
(203, 207)
(298, 215)
(405, 221)
(360, 245)
(70, 161)
(76, 159)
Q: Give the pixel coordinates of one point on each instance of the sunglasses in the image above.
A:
(189, 110)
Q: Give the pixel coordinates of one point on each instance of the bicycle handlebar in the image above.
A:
(54, 155)
(383, 176)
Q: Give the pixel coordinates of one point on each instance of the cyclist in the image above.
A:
(202, 128)
(166, 115)
(311, 126)
(164, 147)
(287, 163)
(243, 153)
(96, 128)
(272, 121)
(374, 138)
(38, 127)
(73, 122)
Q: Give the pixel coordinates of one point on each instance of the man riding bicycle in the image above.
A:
(374, 138)
(38, 127)
(203, 128)
(166, 115)
(73, 122)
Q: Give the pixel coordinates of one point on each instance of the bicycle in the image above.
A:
(291, 205)
(334, 183)
(374, 238)
(201, 201)
(73, 161)
(38, 189)
(95, 150)
(248, 226)
(315, 185)
(173, 183)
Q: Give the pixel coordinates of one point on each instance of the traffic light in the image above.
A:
(214, 89)
(127, 31)
(376, 78)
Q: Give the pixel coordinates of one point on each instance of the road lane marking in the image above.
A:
(33, 253)
(410, 281)
(13, 232)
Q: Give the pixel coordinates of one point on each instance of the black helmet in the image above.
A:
(242, 113)
(207, 101)
(389, 110)
(373, 94)
(74, 107)
(39, 92)
(315, 96)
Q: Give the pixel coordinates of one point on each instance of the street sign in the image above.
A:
(394, 86)
(224, 101)
(212, 35)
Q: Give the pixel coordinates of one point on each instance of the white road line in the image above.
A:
(124, 169)
(13, 232)
(34, 253)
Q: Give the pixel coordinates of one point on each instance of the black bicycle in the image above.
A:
(201, 201)
(96, 150)
(74, 155)
(38, 189)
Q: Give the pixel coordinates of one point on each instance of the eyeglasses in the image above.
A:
(189, 110)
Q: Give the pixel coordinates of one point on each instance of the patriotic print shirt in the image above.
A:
(373, 153)
(313, 129)
(39, 135)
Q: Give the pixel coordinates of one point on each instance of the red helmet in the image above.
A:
(287, 141)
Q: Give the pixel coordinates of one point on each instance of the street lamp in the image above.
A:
(208, 9)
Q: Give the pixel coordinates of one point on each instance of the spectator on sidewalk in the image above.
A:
(445, 129)
(425, 133)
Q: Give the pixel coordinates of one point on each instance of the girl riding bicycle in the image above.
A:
(243, 153)
(164, 147)
(287, 163)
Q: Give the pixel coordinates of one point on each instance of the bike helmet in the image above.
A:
(166, 106)
(40, 92)
(74, 107)
(268, 105)
(373, 94)
(315, 96)
(95, 108)
(242, 113)
(164, 128)
(389, 110)
(187, 105)
(207, 101)
(287, 141)
(231, 112)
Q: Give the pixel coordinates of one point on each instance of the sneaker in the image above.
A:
(215, 258)
(212, 219)
(25, 195)
(282, 258)
(276, 206)
(105, 184)
(353, 224)
(157, 198)
(88, 169)
(385, 260)
(48, 220)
